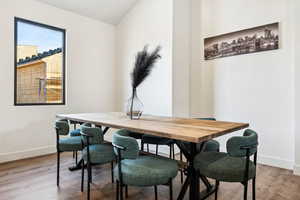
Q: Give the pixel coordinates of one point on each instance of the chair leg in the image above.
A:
(121, 191)
(126, 191)
(173, 149)
(245, 190)
(155, 191)
(148, 148)
(82, 175)
(118, 190)
(171, 190)
(89, 180)
(73, 154)
(90, 174)
(198, 175)
(112, 171)
(142, 145)
(253, 189)
(76, 157)
(217, 188)
(58, 163)
(170, 153)
(181, 171)
(156, 152)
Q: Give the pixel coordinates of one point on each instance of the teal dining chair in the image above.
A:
(136, 135)
(233, 166)
(211, 145)
(73, 133)
(140, 170)
(64, 143)
(158, 141)
(95, 152)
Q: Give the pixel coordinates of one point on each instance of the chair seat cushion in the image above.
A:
(147, 171)
(99, 153)
(149, 139)
(75, 132)
(222, 167)
(70, 144)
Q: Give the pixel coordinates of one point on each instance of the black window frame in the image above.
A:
(63, 31)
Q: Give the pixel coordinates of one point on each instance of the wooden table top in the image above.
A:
(184, 129)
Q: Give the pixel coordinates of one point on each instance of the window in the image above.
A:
(39, 64)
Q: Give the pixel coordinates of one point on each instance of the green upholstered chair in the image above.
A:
(75, 123)
(65, 144)
(233, 166)
(158, 141)
(75, 132)
(135, 135)
(140, 170)
(95, 152)
(211, 145)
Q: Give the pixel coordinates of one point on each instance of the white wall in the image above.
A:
(255, 88)
(149, 22)
(295, 5)
(90, 77)
(181, 58)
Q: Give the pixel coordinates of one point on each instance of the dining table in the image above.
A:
(189, 134)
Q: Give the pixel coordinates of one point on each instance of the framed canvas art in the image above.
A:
(257, 39)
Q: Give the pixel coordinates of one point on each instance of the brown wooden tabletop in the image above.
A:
(184, 129)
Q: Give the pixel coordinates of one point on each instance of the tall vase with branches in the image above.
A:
(144, 63)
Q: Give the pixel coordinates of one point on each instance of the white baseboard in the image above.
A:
(275, 162)
(7, 157)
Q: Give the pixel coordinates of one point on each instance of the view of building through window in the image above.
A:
(39, 64)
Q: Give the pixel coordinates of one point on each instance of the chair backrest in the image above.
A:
(86, 124)
(95, 133)
(237, 146)
(131, 148)
(62, 127)
(207, 118)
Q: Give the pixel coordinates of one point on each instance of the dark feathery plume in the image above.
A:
(143, 66)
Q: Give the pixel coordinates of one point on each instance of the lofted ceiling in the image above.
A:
(109, 11)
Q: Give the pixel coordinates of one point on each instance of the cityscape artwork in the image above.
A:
(261, 38)
(39, 64)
